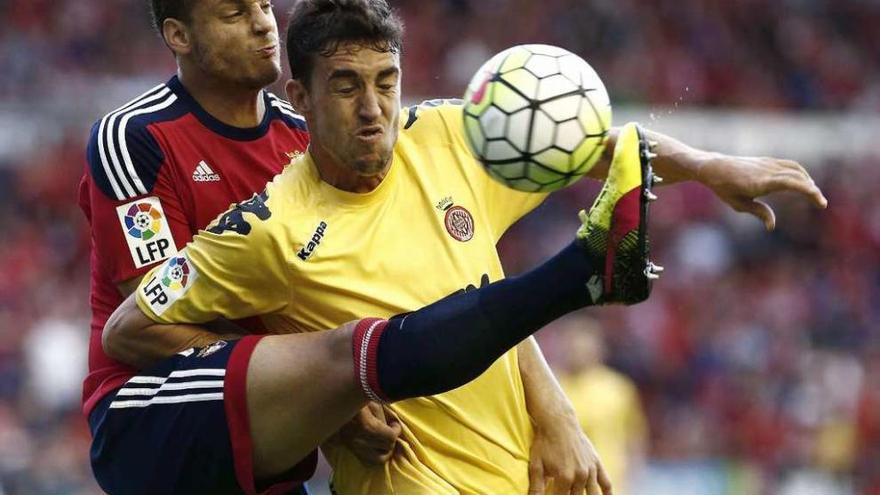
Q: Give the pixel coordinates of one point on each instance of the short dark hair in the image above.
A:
(170, 9)
(318, 27)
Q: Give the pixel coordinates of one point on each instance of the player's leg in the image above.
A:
(449, 343)
(303, 388)
(166, 431)
(300, 389)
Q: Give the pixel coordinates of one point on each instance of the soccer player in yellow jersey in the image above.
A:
(387, 212)
(606, 402)
(244, 415)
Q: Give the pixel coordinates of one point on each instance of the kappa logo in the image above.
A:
(234, 220)
(204, 173)
(309, 248)
(146, 231)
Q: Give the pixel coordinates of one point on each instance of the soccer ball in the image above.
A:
(536, 116)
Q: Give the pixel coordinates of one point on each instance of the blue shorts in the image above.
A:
(181, 427)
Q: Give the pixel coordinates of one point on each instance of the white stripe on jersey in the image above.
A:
(198, 372)
(206, 169)
(147, 379)
(289, 112)
(279, 103)
(105, 143)
(276, 99)
(177, 374)
(125, 155)
(282, 105)
(178, 399)
(171, 386)
(107, 123)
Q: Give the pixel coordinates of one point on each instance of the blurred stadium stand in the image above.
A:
(757, 358)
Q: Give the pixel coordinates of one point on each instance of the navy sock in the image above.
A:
(449, 343)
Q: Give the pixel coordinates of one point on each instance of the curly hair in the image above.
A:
(318, 27)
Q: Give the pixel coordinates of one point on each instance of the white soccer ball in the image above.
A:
(536, 116)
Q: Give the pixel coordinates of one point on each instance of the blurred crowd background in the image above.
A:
(753, 369)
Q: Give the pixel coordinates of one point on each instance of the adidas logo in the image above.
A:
(203, 173)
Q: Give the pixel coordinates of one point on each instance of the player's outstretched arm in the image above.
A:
(234, 269)
(560, 450)
(132, 338)
(737, 180)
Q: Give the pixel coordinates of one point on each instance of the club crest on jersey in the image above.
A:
(293, 156)
(146, 231)
(459, 223)
(168, 283)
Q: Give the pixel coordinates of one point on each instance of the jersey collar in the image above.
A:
(347, 198)
(212, 123)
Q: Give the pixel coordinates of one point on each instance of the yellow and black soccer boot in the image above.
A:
(615, 231)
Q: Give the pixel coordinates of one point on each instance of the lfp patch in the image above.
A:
(168, 283)
(176, 274)
(146, 231)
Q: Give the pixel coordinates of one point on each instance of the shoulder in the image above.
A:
(612, 378)
(124, 157)
(282, 109)
(258, 219)
(245, 217)
(431, 114)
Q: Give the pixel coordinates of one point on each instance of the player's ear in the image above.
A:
(298, 95)
(177, 36)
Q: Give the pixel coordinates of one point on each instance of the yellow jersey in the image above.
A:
(307, 257)
(609, 411)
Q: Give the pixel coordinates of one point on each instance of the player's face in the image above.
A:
(352, 107)
(236, 41)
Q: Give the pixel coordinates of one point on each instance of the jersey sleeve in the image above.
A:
(503, 204)
(135, 213)
(234, 269)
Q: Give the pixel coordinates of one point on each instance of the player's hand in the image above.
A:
(739, 181)
(370, 436)
(563, 461)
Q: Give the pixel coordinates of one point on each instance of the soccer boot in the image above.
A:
(615, 231)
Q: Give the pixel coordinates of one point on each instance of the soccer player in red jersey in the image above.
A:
(165, 164)
(168, 162)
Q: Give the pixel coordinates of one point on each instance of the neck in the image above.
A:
(342, 177)
(232, 105)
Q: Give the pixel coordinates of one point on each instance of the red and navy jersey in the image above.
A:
(159, 169)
